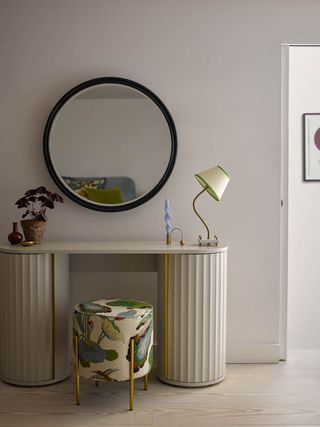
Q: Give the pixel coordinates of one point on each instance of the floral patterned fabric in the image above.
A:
(81, 184)
(104, 328)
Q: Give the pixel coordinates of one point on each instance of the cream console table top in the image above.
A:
(110, 247)
(35, 312)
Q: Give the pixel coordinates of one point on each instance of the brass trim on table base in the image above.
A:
(166, 313)
(53, 314)
(131, 372)
(76, 368)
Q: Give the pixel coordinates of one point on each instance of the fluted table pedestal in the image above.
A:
(192, 318)
(34, 333)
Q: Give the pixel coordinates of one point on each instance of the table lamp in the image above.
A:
(214, 181)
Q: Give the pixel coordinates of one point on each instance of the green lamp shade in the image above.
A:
(214, 180)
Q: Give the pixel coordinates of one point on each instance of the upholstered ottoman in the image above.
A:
(113, 341)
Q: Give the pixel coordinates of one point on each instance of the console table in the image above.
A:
(35, 317)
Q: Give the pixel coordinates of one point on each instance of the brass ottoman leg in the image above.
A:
(145, 379)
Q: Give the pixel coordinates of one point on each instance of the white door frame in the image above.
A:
(284, 202)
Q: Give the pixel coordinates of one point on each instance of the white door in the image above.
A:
(300, 213)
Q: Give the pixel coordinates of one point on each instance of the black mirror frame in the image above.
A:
(149, 94)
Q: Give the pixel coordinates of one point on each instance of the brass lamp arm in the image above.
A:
(196, 212)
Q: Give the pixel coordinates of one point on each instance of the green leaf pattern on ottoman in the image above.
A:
(104, 328)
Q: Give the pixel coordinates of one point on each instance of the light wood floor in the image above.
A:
(284, 395)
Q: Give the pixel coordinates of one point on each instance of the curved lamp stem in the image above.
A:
(196, 212)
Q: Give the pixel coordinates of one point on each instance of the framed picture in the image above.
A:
(311, 135)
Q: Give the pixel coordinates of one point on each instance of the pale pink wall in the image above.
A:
(216, 65)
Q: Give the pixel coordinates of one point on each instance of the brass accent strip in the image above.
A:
(131, 372)
(53, 312)
(166, 319)
(76, 368)
(145, 380)
(197, 213)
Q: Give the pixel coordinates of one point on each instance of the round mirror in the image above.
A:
(110, 144)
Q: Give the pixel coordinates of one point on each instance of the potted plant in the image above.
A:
(36, 202)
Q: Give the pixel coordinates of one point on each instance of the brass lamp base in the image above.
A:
(208, 242)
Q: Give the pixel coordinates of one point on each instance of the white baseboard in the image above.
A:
(253, 353)
(246, 353)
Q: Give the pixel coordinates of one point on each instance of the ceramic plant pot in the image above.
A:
(33, 230)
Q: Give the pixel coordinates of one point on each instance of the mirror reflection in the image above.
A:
(110, 144)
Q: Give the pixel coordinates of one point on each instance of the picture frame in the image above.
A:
(311, 146)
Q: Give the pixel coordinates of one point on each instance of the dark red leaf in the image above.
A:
(57, 198)
(32, 199)
(41, 190)
(48, 204)
(42, 198)
(22, 203)
(30, 193)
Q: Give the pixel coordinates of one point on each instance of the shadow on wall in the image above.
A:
(95, 277)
